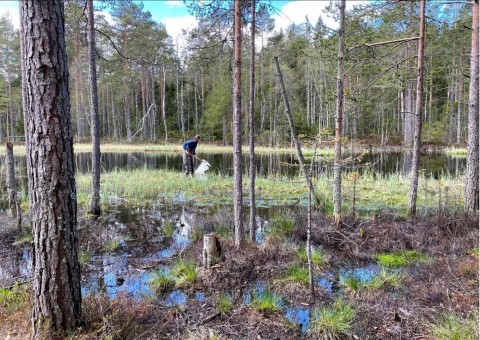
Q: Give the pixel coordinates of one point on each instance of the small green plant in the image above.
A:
(333, 321)
(280, 226)
(13, 299)
(223, 231)
(197, 234)
(385, 277)
(84, 257)
(400, 258)
(112, 245)
(298, 273)
(266, 302)
(353, 283)
(168, 229)
(452, 327)
(184, 273)
(24, 239)
(224, 303)
(318, 255)
(161, 281)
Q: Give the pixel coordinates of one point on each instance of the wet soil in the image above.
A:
(119, 303)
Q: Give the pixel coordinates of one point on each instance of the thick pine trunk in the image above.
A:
(337, 167)
(471, 188)
(50, 169)
(237, 127)
(412, 198)
(252, 123)
(94, 207)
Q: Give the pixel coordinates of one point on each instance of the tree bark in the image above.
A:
(50, 169)
(471, 187)
(94, 207)
(237, 127)
(337, 167)
(126, 89)
(212, 250)
(412, 198)
(252, 123)
(164, 112)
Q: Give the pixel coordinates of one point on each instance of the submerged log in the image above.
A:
(212, 250)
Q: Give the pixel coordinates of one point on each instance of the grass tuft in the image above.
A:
(400, 258)
(112, 245)
(168, 229)
(266, 302)
(333, 321)
(224, 303)
(13, 299)
(280, 226)
(297, 273)
(184, 273)
(318, 255)
(452, 327)
(161, 281)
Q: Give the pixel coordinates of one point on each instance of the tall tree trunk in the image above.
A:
(252, 123)
(412, 198)
(78, 86)
(451, 101)
(471, 188)
(408, 114)
(337, 167)
(459, 109)
(94, 207)
(126, 88)
(164, 113)
(237, 127)
(51, 174)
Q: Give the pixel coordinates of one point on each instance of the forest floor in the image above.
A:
(439, 283)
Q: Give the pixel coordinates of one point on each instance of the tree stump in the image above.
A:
(212, 250)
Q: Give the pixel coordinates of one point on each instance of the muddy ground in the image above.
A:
(447, 281)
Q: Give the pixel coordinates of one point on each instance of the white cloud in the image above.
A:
(175, 3)
(296, 11)
(13, 14)
(175, 25)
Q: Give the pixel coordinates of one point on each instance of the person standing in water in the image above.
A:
(189, 148)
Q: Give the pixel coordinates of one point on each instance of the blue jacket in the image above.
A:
(190, 146)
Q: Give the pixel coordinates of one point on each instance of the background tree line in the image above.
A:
(149, 89)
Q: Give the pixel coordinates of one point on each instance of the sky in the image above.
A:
(175, 16)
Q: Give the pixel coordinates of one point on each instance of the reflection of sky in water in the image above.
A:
(175, 298)
(364, 274)
(180, 237)
(257, 289)
(199, 296)
(17, 265)
(299, 316)
(325, 283)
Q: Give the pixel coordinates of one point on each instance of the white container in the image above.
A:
(202, 168)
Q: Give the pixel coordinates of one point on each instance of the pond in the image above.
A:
(273, 164)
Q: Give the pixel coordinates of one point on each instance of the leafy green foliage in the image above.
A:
(224, 303)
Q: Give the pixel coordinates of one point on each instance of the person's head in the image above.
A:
(198, 138)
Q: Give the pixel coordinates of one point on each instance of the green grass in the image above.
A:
(25, 239)
(197, 234)
(387, 278)
(184, 273)
(455, 151)
(112, 245)
(168, 229)
(297, 273)
(223, 231)
(452, 327)
(12, 299)
(280, 226)
(318, 255)
(161, 281)
(84, 257)
(400, 258)
(333, 321)
(266, 302)
(224, 303)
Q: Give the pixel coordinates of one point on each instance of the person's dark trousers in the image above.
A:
(188, 164)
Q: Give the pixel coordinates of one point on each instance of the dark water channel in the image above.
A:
(435, 164)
